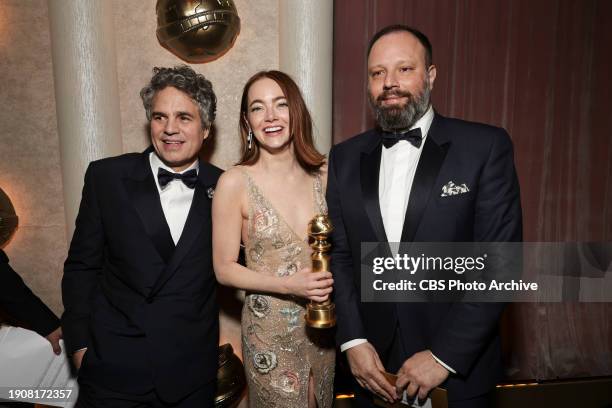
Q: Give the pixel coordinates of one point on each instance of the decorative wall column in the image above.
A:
(86, 91)
(305, 53)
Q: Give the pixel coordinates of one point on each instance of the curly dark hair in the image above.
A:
(186, 80)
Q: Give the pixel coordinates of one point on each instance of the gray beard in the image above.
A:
(401, 118)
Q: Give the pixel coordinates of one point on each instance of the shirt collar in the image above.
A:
(425, 122)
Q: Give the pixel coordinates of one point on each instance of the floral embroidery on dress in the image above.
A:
(292, 314)
(288, 382)
(286, 270)
(264, 361)
(259, 305)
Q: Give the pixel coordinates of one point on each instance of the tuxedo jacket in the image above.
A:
(463, 335)
(145, 309)
(18, 301)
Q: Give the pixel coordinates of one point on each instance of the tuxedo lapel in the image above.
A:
(198, 221)
(144, 196)
(370, 167)
(432, 157)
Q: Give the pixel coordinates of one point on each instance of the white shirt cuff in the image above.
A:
(352, 343)
(442, 364)
(356, 342)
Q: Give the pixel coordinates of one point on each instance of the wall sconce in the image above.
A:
(8, 218)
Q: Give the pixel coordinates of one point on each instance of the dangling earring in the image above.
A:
(250, 139)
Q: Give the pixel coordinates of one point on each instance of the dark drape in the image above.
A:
(541, 69)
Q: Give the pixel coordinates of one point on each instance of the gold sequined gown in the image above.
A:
(279, 351)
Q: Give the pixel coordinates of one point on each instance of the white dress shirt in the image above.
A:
(175, 197)
(398, 165)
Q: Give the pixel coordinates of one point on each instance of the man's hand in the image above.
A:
(368, 370)
(421, 373)
(77, 358)
(54, 338)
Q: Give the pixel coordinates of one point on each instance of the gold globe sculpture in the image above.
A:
(8, 219)
(197, 31)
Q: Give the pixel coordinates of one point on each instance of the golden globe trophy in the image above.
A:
(320, 315)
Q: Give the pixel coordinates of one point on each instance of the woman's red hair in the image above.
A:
(300, 123)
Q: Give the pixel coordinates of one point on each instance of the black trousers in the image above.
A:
(393, 362)
(94, 396)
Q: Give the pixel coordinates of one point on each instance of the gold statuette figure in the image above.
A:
(320, 315)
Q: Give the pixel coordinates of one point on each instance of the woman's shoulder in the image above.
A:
(323, 169)
(233, 179)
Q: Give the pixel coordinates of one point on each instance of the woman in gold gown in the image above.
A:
(266, 201)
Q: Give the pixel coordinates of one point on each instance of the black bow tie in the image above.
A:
(412, 136)
(189, 178)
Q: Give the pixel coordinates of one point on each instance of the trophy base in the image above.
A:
(320, 316)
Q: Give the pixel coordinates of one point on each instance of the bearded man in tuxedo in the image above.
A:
(141, 317)
(388, 185)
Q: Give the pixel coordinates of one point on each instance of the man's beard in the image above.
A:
(402, 116)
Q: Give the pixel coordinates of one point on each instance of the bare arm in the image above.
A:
(228, 214)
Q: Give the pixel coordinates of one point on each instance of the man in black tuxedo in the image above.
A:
(388, 184)
(18, 301)
(139, 291)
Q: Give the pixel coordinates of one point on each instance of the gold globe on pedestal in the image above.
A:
(197, 31)
(8, 219)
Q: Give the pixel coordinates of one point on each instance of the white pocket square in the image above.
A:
(451, 189)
